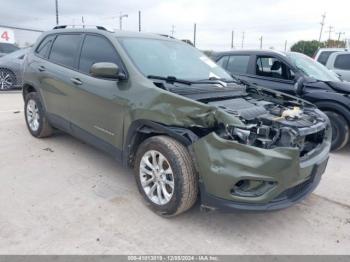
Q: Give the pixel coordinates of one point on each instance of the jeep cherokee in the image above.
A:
(186, 127)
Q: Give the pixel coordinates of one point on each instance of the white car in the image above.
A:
(339, 62)
(322, 54)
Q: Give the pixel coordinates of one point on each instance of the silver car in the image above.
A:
(11, 68)
(339, 62)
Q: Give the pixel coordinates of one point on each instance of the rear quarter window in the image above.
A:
(44, 47)
(238, 63)
(342, 62)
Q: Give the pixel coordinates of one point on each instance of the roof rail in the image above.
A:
(167, 36)
(83, 26)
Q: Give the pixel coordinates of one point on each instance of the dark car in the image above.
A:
(6, 48)
(183, 123)
(11, 70)
(281, 71)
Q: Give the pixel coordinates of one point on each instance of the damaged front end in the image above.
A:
(272, 159)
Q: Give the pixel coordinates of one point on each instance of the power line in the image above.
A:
(22, 28)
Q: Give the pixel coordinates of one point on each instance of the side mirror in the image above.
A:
(107, 70)
(299, 86)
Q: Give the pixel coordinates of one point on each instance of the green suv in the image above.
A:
(187, 128)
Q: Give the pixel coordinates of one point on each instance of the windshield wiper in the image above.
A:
(171, 79)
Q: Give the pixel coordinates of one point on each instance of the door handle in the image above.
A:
(76, 81)
(41, 68)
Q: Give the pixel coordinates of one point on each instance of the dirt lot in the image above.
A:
(60, 196)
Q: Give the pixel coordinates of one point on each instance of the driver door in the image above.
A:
(271, 72)
(97, 105)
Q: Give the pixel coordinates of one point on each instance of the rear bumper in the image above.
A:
(286, 199)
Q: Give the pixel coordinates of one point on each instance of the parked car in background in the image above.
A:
(322, 54)
(281, 71)
(6, 48)
(11, 70)
(339, 63)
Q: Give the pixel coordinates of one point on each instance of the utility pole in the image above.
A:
(56, 4)
(330, 31)
(121, 20)
(172, 30)
(261, 42)
(232, 38)
(194, 34)
(339, 35)
(285, 46)
(322, 25)
(83, 21)
(243, 35)
(139, 21)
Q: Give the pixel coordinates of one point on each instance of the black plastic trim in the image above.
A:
(150, 128)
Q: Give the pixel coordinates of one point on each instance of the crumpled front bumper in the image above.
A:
(222, 163)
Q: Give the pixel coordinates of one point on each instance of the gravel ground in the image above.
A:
(61, 196)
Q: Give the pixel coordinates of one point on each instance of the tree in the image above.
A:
(307, 47)
(310, 47)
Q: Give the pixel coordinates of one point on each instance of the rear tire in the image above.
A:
(340, 130)
(36, 120)
(165, 165)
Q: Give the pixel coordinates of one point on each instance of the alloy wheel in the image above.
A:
(33, 115)
(156, 177)
(6, 80)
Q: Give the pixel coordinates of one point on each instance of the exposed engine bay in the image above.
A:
(271, 119)
(271, 125)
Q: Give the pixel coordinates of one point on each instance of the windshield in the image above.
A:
(312, 68)
(171, 58)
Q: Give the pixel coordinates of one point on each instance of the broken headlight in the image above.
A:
(261, 136)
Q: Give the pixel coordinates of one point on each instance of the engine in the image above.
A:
(270, 124)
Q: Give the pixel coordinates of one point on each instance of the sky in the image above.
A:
(277, 21)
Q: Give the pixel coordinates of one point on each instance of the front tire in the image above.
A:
(35, 117)
(340, 130)
(165, 176)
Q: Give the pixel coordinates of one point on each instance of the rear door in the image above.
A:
(341, 65)
(55, 76)
(97, 106)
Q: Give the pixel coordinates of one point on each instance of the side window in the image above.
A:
(65, 49)
(269, 66)
(342, 62)
(223, 61)
(238, 63)
(323, 57)
(43, 49)
(96, 49)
